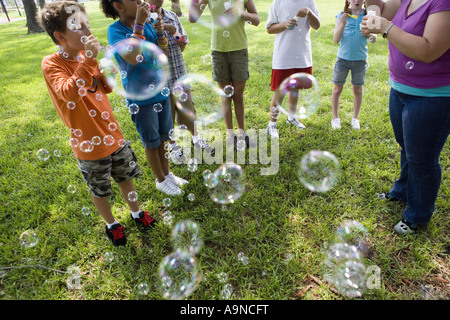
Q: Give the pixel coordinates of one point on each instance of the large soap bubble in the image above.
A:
(186, 236)
(319, 171)
(227, 183)
(204, 92)
(179, 275)
(298, 95)
(137, 70)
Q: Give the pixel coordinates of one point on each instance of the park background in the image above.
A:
(283, 228)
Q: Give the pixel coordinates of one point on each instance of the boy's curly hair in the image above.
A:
(53, 17)
(108, 8)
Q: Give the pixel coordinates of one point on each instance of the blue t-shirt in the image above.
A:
(140, 76)
(353, 45)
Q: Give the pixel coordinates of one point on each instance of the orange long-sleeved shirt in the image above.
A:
(88, 116)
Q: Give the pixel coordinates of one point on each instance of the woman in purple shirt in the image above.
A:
(418, 32)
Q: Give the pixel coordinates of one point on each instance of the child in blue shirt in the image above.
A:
(352, 55)
(153, 126)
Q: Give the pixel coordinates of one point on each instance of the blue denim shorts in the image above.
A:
(342, 67)
(152, 126)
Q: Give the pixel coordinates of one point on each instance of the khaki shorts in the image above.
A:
(120, 165)
(229, 66)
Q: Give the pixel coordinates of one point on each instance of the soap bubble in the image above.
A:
(227, 183)
(85, 211)
(319, 171)
(157, 107)
(109, 256)
(207, 59)
(80, 83)
(74, 143)
(186, 237)
(71, 189)
(242, 258)
(350, 279)
(167, 202)
(71, 105)
(133, 108)
(86, 146)
(142, 288)
(226, 292)
(57, 153)
(182, 136)
(108, 140)
(191, 197)
(98, 97)
(132, 196)
(305, 89)
(43, 154)
(228, 90)
(179, 275)
(92, 113)
(355, 234)
(226, 34)
(96, 140)
(28, 239)
(132, 80)
(222, 277)
(82, 92)
(409, 65)
(207, 97)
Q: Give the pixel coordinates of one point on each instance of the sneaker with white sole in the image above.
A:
(176, 154)
(335, 123)
(168, 187)
(404, 227)
(272, 131)
(355, 124)
(176, 180)
(296, 123)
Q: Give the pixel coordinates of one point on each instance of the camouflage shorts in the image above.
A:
(120, 165)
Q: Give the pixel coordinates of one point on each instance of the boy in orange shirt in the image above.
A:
(79, 93)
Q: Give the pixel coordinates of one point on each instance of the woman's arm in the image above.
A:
(251, 14)
(194, 10)
(427, 48)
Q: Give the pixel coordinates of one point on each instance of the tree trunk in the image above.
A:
(176, 7)
(30, 12)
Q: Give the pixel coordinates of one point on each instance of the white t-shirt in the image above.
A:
(292, 48)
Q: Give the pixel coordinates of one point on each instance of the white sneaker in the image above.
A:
(296, 123)
(405, 228)
(176, 180)
(336, 123)
(168, 187)
(176, 154)
(355, 124)
(272, 131)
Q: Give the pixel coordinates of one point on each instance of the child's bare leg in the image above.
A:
(103, 207)
(125, 188)
(238, 100)
(164, 163)
(292, 101)
(335, 99)
(357, 100)
(226, 109)
(154, 160)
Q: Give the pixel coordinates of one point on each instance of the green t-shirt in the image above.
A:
(224, 37)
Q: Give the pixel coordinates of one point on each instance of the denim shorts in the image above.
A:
(153, 127)
(229, 66)
(342, 67)
(121, 165)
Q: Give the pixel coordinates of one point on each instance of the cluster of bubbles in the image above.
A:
(319, 171)
(226, 184)
(179, 272)
(225, 16)
(227, 289)
(345, 260)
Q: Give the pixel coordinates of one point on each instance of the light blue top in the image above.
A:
(353, 45)
(138, 76)
(433, 92)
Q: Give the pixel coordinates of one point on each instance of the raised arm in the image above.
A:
(194, 10)
(339, 27)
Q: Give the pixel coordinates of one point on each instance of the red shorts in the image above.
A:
(278, 75)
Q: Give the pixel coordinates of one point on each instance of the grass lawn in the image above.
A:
(282, 227)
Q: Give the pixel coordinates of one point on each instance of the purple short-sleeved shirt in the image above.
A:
(423, 75)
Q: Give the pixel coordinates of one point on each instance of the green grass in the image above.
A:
(276, 216)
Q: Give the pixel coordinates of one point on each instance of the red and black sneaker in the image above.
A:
(145, 220)
(116, 235)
